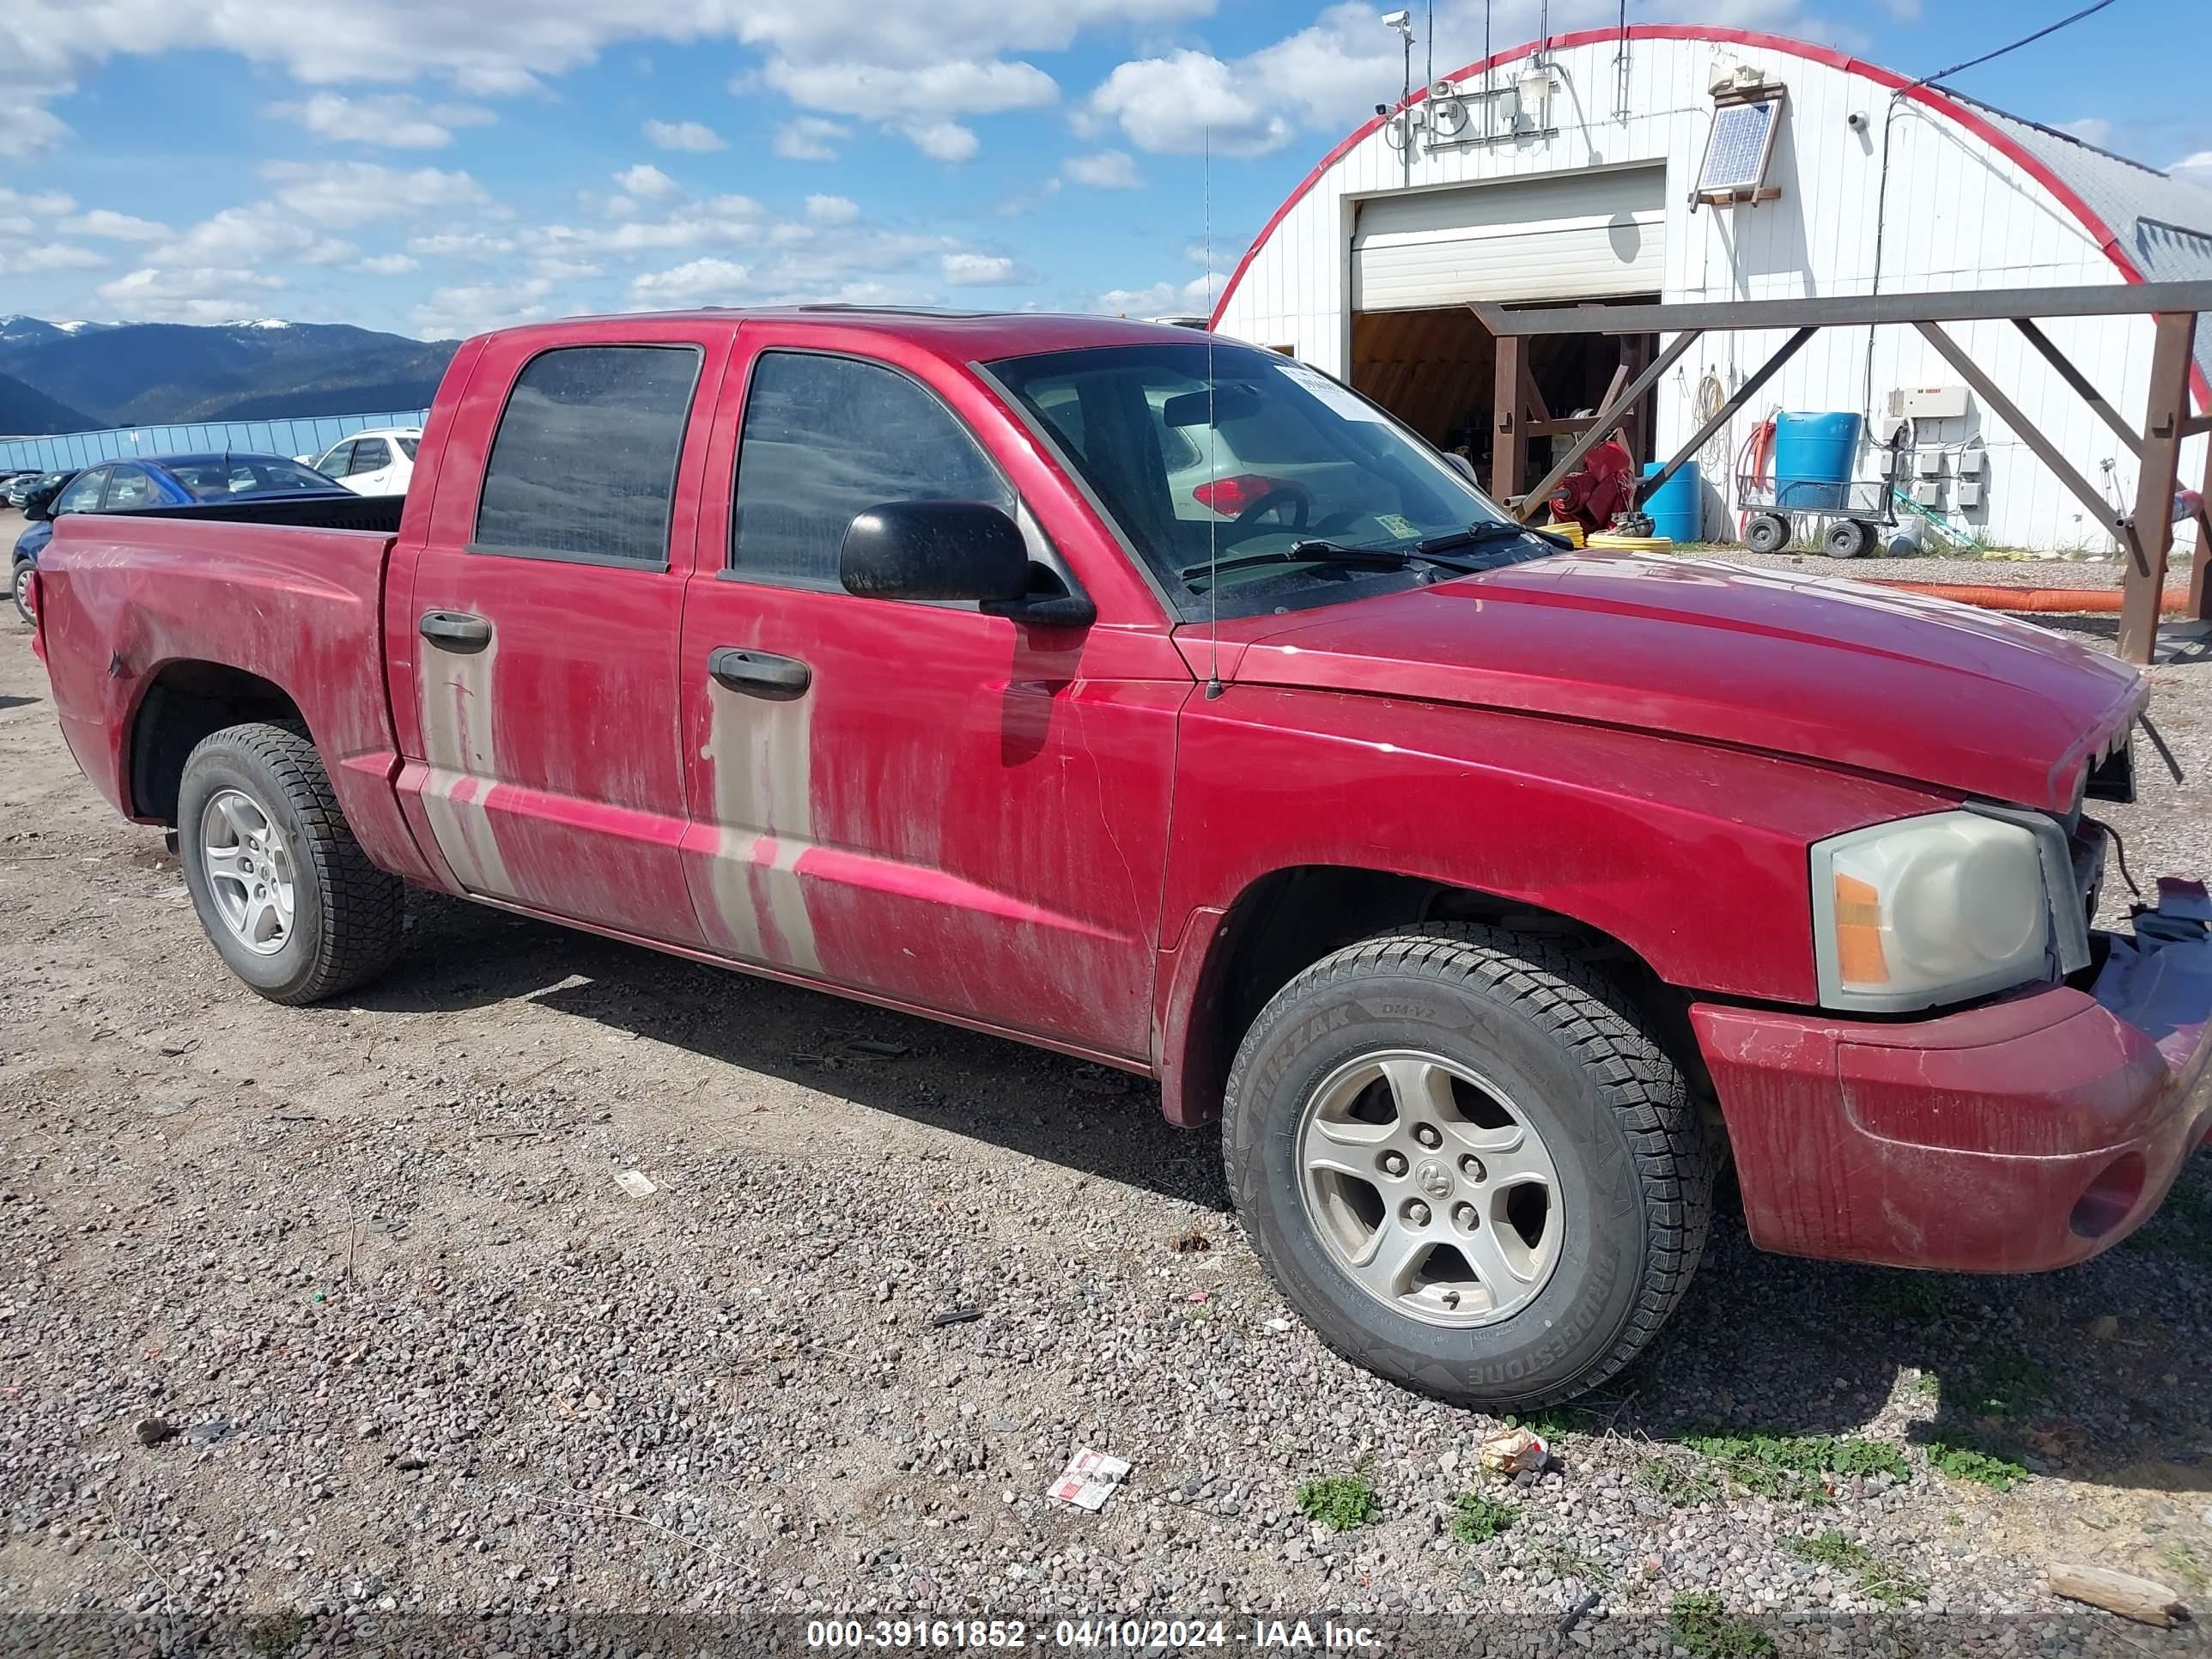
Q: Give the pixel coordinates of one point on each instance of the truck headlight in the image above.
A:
(1930, 910)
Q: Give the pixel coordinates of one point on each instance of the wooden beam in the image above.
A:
(1508, 445)
(1533, 504)
(1742, 395)
(2075, 378)
(2142, 583)
(2196, 427)
(1830, 310)
(2025, 429)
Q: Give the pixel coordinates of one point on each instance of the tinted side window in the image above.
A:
(584, 464)
(337, 459)
(827, 438)
(371, 455)
(83, 496)
(128, 486)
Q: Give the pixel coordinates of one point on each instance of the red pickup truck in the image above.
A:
(1156, 699)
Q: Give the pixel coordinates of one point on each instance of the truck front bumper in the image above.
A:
(2026, 1134)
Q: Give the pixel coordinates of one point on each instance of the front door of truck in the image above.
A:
(953, 810)
(546, 765)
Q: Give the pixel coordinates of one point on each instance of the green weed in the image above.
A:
(1984, 1468)
(1797, 1466)
(1341, 1501)
(1702, 1623)
(1477, 1520)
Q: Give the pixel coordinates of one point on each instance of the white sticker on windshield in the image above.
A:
(1351, 408)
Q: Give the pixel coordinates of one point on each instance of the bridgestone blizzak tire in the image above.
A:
(347, 914)
(1635, 1170)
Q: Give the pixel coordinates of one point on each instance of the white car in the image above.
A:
(377, 462)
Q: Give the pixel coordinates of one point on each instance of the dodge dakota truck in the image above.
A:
(1158, 700)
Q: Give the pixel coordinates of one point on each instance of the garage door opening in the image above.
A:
(1418, 258)
(1439, 371)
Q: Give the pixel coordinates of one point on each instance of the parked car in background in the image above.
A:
(377, 462)
(23, 486)
(1488, 893)
(171, 481)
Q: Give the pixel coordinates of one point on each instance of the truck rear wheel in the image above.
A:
(282, 889)
(1468, 1164)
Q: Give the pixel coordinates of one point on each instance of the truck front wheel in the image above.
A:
(283, 890)
(1467, 1162)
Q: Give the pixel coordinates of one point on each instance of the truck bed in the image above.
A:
(380, 513)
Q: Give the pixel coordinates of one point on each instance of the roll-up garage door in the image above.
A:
(1561, 236)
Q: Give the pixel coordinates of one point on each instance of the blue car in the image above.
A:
(171, 481)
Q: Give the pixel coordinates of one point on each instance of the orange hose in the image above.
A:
(2173, 602)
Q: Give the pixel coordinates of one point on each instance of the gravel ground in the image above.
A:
(1976, 572)
(407, 1348)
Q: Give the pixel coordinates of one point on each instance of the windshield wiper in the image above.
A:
(1484, 531)
(1312, 552)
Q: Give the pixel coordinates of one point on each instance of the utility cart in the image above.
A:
(1858, 509)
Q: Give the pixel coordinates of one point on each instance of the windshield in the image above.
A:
(216, 478)
(1222, 493)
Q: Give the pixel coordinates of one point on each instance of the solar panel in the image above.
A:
(1735, 153)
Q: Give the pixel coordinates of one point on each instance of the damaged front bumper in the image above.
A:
(2024, 1134)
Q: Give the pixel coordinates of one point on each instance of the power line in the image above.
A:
(2025, 40)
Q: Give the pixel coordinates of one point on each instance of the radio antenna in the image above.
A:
(1213, 461)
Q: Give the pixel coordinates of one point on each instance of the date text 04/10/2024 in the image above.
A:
(1262, 1635)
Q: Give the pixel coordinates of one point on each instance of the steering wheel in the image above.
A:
(1297, 497)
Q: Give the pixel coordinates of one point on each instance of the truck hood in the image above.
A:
(1828, 670)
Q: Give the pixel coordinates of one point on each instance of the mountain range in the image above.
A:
(72, 376)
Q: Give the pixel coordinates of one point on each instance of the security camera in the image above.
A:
(1397, 19)
(1856, 120)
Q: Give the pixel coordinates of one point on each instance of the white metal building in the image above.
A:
(1685, 163)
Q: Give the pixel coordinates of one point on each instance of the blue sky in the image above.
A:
(437, 169)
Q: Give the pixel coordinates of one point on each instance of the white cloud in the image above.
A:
(26, 126)
(2090, 130)
(474, 307)
(982, 270)
(462, 245)
(703, 281)
(691, 136)
(354, 192)
(2195, 169)
(45, 203)
(807, 139)
(394, 121)
(388, 264)
(832, 210)
(1164, 299)
(1109, 169)
(1185, 100)
(943, 140)
(158, 294)
(52, 256)
(117, 227)
(648, 181)
(926, 90)
(240, 238)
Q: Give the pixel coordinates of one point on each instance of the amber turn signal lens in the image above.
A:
(1858, 932)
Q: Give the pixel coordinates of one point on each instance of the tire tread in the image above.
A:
(363, 908)
(1566, 994)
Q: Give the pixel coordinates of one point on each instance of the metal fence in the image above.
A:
(307, 435)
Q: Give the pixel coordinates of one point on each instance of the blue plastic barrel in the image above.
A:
(1677, 507)
(1813, 459)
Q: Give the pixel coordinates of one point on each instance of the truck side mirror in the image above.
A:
(934, 550)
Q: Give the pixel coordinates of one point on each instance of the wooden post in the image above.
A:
(1509, 448)
(2200, 590)
(1635, 356)
(2151, 529)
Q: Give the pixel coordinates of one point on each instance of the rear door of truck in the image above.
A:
(546, 605)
